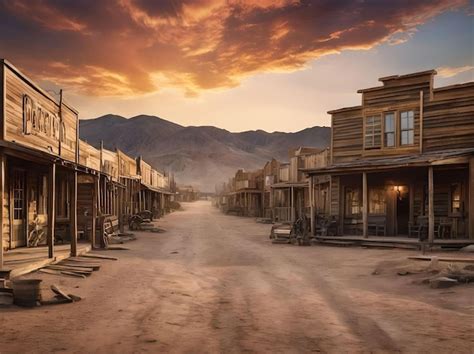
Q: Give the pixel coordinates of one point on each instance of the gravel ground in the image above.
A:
(215, 284)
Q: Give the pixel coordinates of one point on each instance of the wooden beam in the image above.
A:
(95, 206)
(3, 108)
(471, 198)
(421, 122)
(292, 204)
(51, 209)
(430, 204)
(365, 206)
(73, 215)
(311, 203)
(2, 194)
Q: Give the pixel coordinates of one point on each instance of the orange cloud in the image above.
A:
(133, 47)
(448, 71)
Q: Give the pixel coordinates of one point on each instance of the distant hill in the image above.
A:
(202, 156)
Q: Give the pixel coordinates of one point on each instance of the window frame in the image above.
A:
(451, 200)
(400, 113)
(369, 200)
(394, 132)
(364, 133)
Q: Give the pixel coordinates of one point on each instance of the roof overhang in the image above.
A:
(447, 157)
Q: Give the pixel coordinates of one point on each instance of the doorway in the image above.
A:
(403, 209)
(18, 207)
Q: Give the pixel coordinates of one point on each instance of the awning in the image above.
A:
(446, 157)
(290, 185)
(156, 189)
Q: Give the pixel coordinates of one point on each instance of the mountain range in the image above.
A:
(202, 156)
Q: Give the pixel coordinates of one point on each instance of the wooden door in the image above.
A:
(18, 207)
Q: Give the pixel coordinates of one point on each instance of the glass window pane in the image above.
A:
(404, 124)
(404, 138)
(410, 137)
(410, 123)
(390, 139)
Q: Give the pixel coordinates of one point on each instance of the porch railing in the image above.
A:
(282, 214)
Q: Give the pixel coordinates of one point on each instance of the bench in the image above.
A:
(109, 226)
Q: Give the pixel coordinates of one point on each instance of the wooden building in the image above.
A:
(155, 193)
(290, 195)
(271, 176)
(402, 162)
(38, 160)
(187, 194)
(245, 199)
(88, 192)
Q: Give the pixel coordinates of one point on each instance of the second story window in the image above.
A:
(389, 130)
(373, 130)
(407, 128)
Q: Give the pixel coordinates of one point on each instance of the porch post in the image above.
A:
(365, 209)
(95, 205)
(73, 216)
(292, 204)
(430, 205)
(471, 198)
(311, 203)
(139, 200)
(52, 209)
(2, 194)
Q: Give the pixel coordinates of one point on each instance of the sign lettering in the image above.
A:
(39, 121)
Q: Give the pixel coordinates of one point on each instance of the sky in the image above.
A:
(235, 64)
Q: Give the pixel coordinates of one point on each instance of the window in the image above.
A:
(373, 129)
(455, 198)
(352, 206)
(389, 130)
(377, 203)
(407, 130)
(18, 195)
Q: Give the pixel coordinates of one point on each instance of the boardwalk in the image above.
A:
(214, 283)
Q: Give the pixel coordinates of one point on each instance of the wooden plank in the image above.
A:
(365, 206)
(94, 266)
(421, 122)
(3, 92)
(95, 208)
(73, 215)
(51, 209)
(90, 255)
(442, 259)
(57, 290)
(430, 205)
(59, 272)
(2, 194)
(471, 198)
(71, 268)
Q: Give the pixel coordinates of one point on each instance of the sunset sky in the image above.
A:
(236, 64)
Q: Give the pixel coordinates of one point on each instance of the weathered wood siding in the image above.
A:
(89, 156)
(33, 118)
(449, 119)
(145, 173)
(443, 118)
(110, 164)
(347, 135)
(127, 165)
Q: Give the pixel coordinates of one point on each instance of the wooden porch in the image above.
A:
(391, 242)
(24, 260)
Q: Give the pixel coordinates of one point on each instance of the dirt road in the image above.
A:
(214, 283)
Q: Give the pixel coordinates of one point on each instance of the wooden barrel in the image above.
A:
(26, 292)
